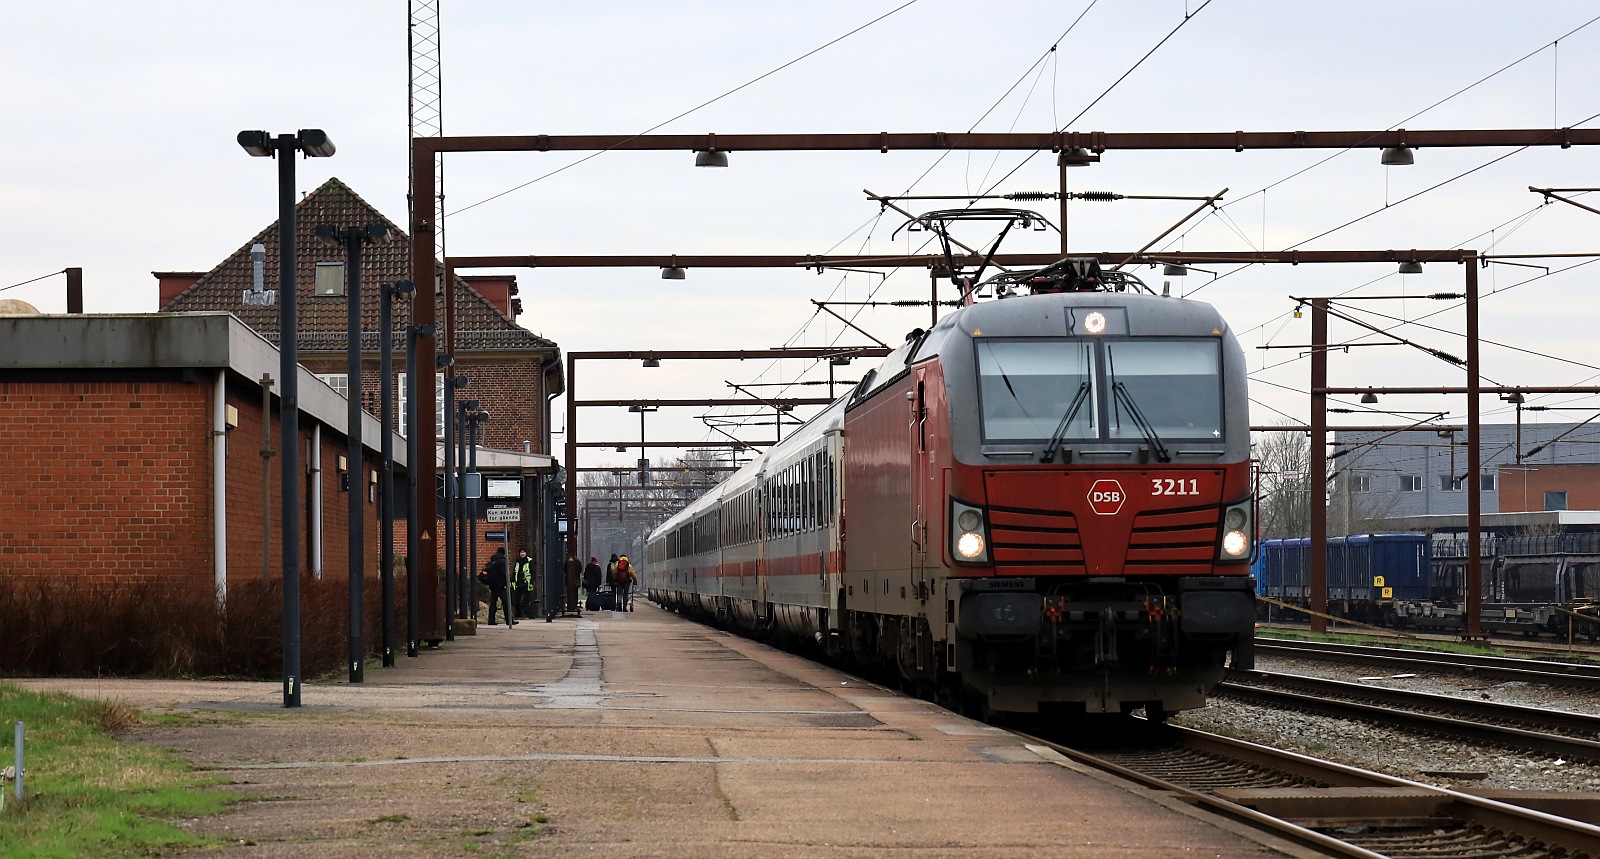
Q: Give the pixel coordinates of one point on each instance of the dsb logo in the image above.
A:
(1106, 497)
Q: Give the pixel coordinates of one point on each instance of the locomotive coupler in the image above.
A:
(1105, 640)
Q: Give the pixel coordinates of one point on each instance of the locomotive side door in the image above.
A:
(923, 501)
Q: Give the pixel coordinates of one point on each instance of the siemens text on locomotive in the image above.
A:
(1043, 501)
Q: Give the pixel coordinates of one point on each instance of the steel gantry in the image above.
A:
(1071, 147)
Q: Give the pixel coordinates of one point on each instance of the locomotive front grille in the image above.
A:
(1177, 541)
(1022, 542)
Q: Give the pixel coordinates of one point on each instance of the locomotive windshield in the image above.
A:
(1100, 390)
(1176, 384)
(1027, 388)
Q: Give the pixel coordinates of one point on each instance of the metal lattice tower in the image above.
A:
(427, 100)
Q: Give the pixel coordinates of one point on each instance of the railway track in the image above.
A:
(1337, 809)
(1566, 674)
(1564, 735)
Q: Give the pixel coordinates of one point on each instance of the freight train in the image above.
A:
(1045, 502)
(1532, 584)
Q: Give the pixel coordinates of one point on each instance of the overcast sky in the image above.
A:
(117, 154)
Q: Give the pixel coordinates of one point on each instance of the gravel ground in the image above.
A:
(1431, 760)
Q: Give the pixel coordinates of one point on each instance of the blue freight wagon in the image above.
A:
(1367, 574)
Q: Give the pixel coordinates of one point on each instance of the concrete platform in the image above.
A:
(635, 735)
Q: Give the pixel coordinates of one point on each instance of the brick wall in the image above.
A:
(108, 478)
(513, 392)
(246, 523)
(115, 478)
(1522, 488)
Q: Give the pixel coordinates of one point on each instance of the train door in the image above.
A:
(833, 505)
(759, 567)
(923, 499)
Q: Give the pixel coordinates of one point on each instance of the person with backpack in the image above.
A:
(623, 578)
(494, 574)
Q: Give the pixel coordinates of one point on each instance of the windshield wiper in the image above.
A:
(1120, 391)
(1050, 449)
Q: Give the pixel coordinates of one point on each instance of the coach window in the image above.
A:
(808, 469)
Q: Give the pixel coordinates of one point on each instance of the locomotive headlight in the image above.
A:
(968, 543)
(1095, 322)
(1235, 543)
(1236, 533)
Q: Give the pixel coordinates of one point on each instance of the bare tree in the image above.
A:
(1284, 460)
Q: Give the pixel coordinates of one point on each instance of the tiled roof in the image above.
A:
(480, 326)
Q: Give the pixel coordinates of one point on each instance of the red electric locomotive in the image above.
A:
(1043, 501)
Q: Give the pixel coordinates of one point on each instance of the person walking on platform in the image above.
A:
(611, 570)
(495, 577)
(591, 576)
(623, 578)
(522, 584)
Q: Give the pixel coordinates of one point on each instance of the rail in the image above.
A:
(1341, 810)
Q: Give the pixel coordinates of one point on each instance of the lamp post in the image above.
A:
(356, 475)
(386, 512)
(314, 143)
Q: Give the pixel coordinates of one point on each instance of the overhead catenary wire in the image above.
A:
(33, 280)
(707, 103)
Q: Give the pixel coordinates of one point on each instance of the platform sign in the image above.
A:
(495, 536)
(1106, 497)
(503, 514)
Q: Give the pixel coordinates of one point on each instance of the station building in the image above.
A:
(512, 373)
(140, 449)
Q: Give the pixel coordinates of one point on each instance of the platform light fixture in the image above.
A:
(673, 272)
(652, 362)
(1412, 267)
(1369, 398)
(1174, 270)
(1077, 156)
(710, 158)
(1397, 156)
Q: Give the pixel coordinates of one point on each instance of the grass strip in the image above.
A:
(86, 793)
